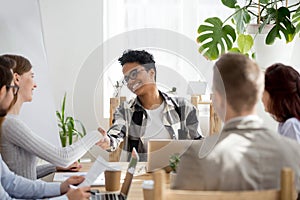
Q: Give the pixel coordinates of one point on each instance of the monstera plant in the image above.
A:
(218, 36)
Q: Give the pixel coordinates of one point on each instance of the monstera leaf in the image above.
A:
(282, 25)
(241, 18)
(215, 38)
(229, 3)
(296, 19)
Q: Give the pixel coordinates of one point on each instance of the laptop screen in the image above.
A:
(122, 195)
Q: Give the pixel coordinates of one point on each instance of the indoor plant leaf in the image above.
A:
(212, 38)
(82, 128)
(241, 18)
(245, 43)
(283, 25)
(296, 19)
(234, 50)
(264, 1)
(229, 3)
(63, 108)
(272, 35)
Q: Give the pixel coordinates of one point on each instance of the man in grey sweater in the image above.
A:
(245, 155)
(13, 186)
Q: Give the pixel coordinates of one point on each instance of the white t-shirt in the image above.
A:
(155, 127)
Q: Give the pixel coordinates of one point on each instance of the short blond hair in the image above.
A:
(239, 80)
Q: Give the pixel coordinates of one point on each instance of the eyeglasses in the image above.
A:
(132, 75)
(15, 89)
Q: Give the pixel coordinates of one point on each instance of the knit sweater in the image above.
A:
(20, 148)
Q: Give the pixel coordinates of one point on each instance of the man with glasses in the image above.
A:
(152, 114)
(13, 186)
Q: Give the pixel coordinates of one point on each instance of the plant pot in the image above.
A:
(172, 178)
(267, 55)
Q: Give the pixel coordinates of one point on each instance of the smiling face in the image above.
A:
(139, 79)
(26, 84)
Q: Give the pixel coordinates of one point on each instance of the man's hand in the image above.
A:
(73, 180)
(79, 193)
(104, 143)
(75, 167)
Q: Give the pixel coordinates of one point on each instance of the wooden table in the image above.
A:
(136, 191)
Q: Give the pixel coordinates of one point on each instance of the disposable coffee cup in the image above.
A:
(112, 180)
(148, 189)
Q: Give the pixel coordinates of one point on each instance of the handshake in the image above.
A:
(104, 142)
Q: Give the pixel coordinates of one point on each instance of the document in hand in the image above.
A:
(98, 168)
(62, 176)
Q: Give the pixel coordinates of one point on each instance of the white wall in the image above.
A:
(72, 31)
(21, 33)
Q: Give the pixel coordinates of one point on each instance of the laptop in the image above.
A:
(160, 150)
(122, 195)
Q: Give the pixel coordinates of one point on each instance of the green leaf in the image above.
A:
(283, 25)
(82, 128)
(242, 18)
(245, 43)
(63, 107)
(58, 115)
(264, 1)
(229, 3)
(296, 19)
(215, 38)
(234, 50)
(272, 35)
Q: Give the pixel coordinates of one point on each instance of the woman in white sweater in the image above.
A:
(20, 147)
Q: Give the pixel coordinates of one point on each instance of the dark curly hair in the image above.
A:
(282, 82)
(142, 57)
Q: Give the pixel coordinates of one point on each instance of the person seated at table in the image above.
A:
(20, 146)
(13, 186)
(281, 98)
(245, 155)
(152, 114)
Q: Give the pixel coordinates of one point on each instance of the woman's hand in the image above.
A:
(75, 167)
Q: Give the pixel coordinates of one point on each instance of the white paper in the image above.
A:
(62, 176)
(99, 166)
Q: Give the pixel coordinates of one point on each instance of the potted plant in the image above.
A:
(217, 36)
(118, 86)
(173, 163)
(67, 125)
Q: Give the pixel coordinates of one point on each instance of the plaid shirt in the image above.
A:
(180, 119)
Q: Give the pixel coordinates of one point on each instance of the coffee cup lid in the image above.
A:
(148, 184)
